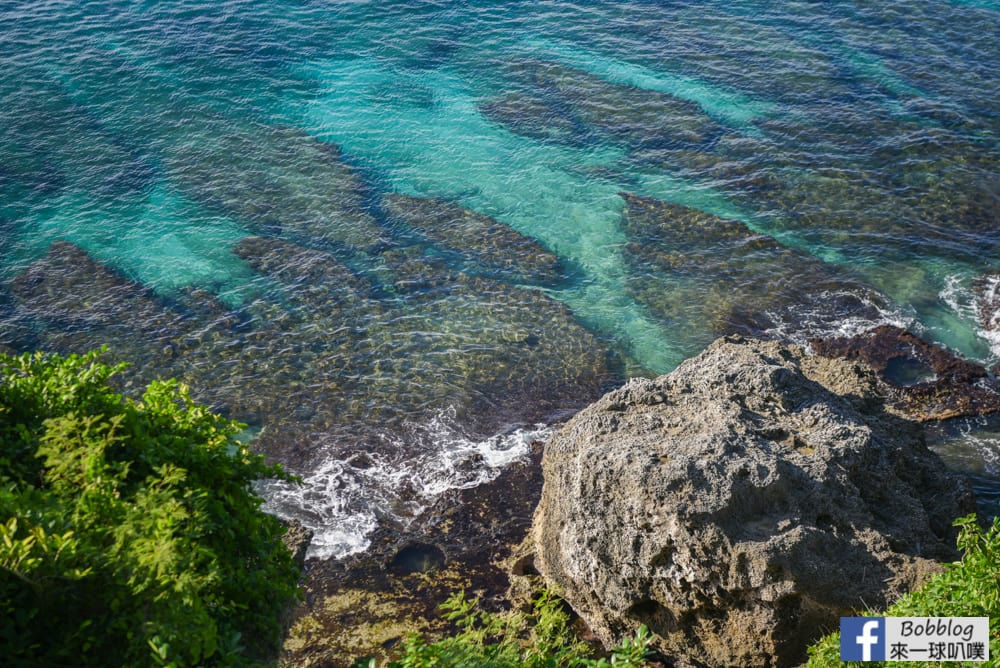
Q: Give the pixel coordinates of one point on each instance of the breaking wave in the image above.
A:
(822, 319)
(343, 500)
(969, 305)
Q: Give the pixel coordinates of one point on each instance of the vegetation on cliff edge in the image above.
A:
(130, 534)
(967, 588)
(541, 638)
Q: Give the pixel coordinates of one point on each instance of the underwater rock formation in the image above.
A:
(276, 180)
(486, 244)
(324, 364)
(50, 143)
(72, 303)
(531, 115)
(554, 101)
(740, 504)
(687, 266)
(471, 341)
(51, 289)
(927, 382)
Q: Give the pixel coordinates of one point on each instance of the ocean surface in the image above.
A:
(399, 239)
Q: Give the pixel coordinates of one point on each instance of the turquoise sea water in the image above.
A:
(155, 136)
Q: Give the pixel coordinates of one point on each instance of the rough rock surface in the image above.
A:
(365, 605)
(740, 504)
(296, 539)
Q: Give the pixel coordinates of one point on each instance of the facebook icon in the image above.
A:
(862, 639)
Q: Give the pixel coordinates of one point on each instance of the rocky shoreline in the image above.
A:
(335, 359)
(736, 506)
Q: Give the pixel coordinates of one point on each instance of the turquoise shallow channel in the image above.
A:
(398, 239)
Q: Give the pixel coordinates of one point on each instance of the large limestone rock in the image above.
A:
(740, 504)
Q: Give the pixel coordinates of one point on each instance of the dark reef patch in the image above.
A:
(488, 245)
(698, 272)
(956, 387)
(557, 102)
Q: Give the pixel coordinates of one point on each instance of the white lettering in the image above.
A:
(866, 639)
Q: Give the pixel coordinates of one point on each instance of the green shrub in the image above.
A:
(129, 531)
(542, 639)
(967, 588)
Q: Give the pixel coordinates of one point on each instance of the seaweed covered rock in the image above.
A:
(740, 504)
(50, 288)
(367, 604)
(495, 247)
(73, 303)
(318, 352)
(925, 382)
(531, 115)
(689, 268)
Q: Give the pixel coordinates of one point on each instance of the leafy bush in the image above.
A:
(542, 639)
(129, 531)
(967, 588)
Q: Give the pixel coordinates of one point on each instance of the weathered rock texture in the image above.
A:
(740, 504)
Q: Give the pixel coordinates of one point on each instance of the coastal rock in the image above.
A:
(926, 382)
(987, 289)
(479, 239)
(740, 504)
(365, 605)
(710, 276)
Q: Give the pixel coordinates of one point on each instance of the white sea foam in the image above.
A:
(991, 294)
(959, 297)
(969, 305)
(819, 322)
(342, 501)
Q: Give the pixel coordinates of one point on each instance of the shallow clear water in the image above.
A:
(155, 136)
